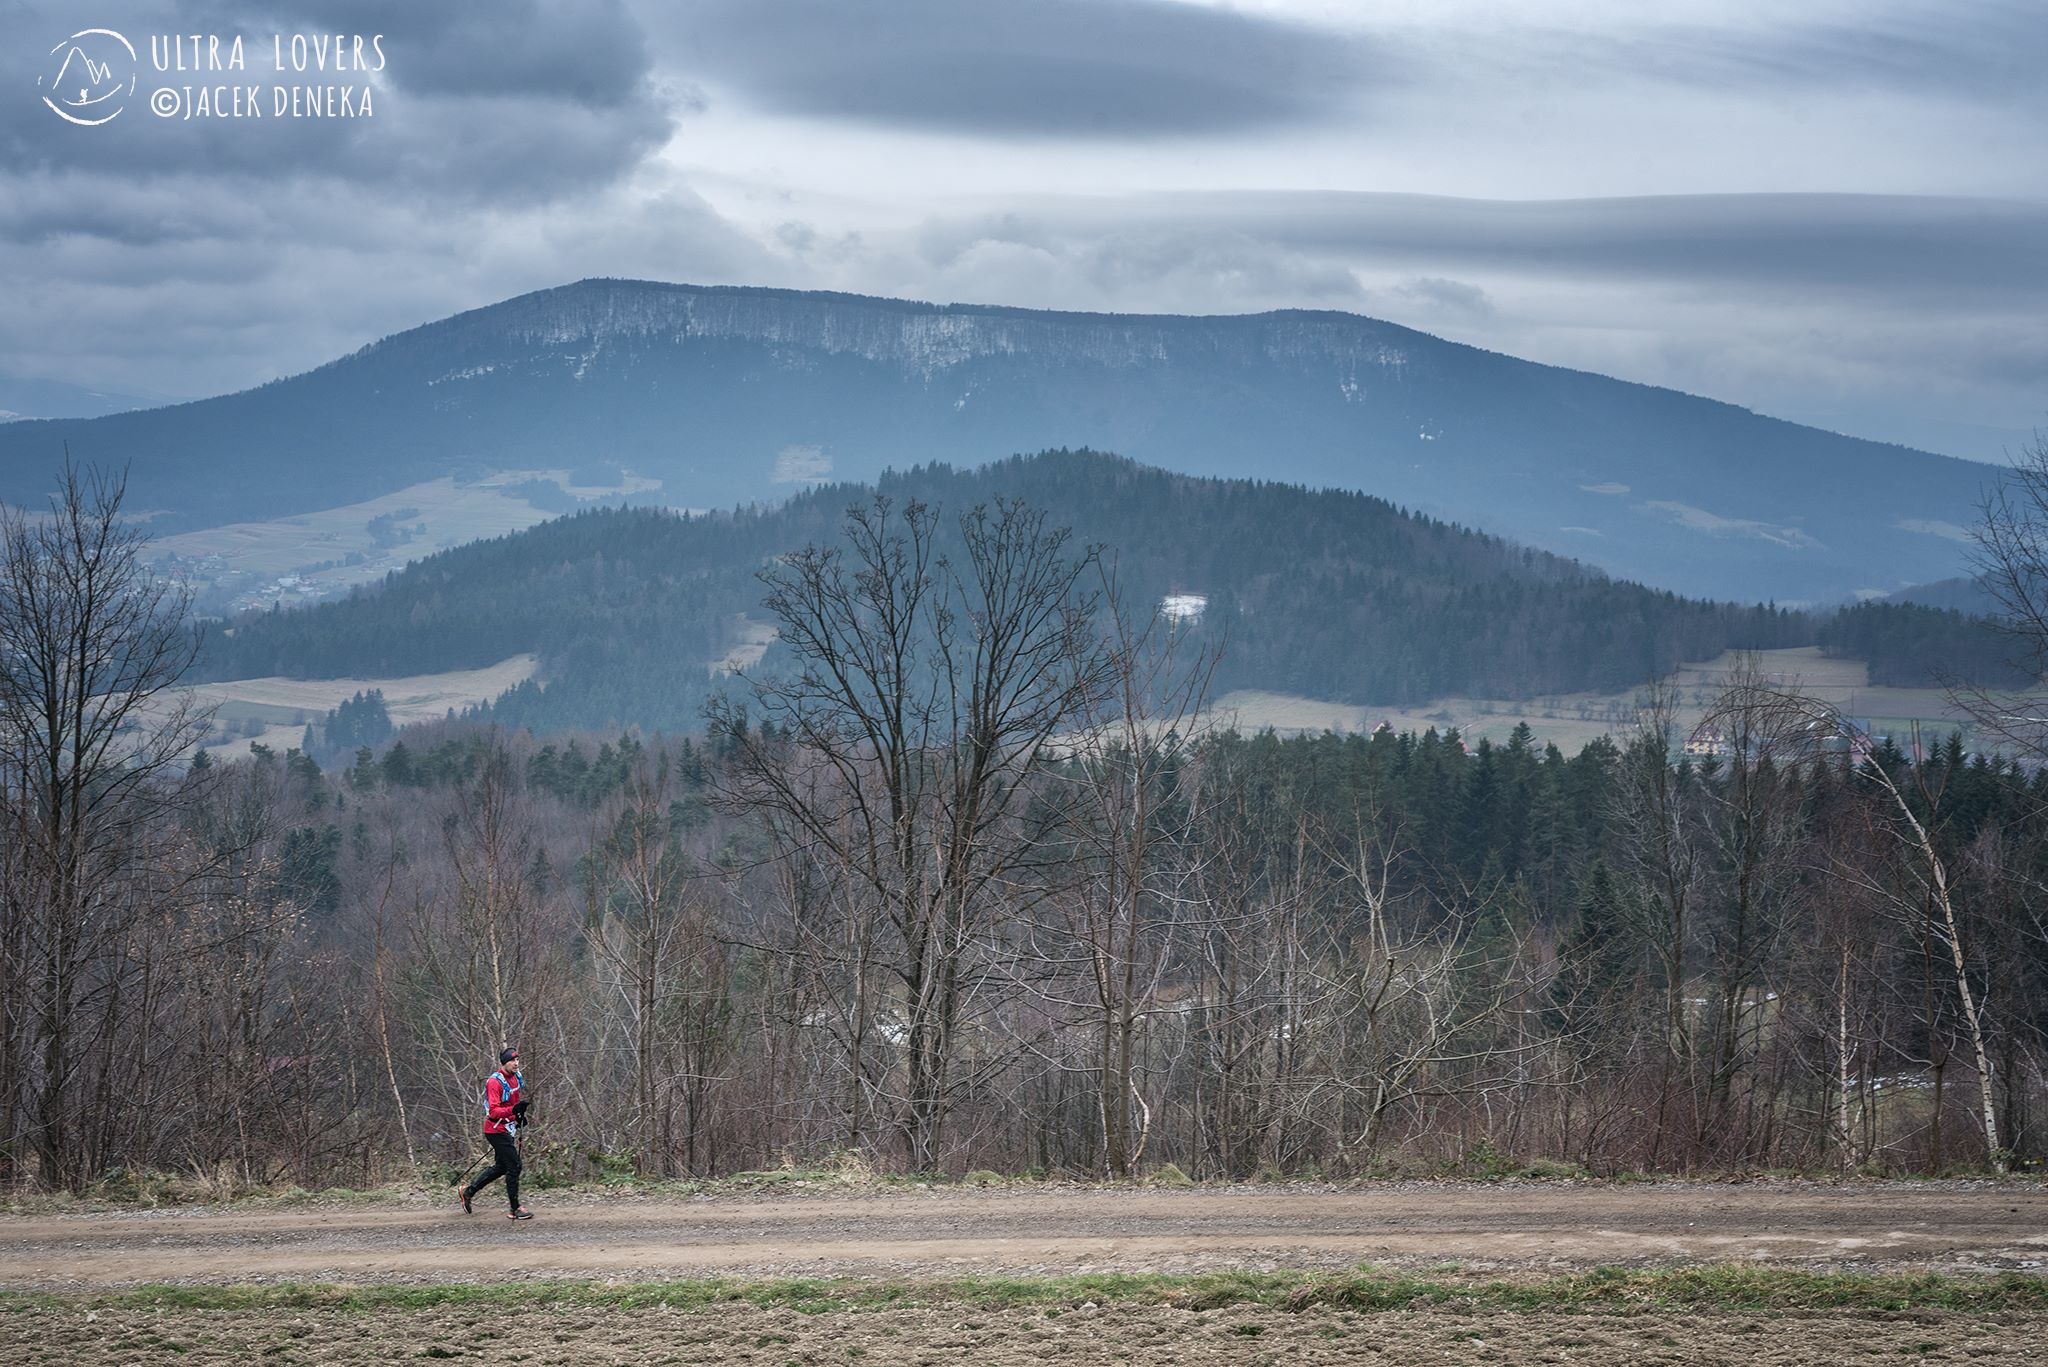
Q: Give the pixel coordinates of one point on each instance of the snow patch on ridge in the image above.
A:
(801, 465)
(469, 374)
(1700, 520)
(933, 338)
(1934, 527)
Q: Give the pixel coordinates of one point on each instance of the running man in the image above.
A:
(504, 1108)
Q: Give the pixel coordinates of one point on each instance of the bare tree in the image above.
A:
(1928, 885)
(1660, 848)
(483, 938)
(1840, 958)
(2011, 560)
(831, 935)
(1406, 1006)
(1254, 892)
(900, 752)
(646, 927)
(1105, 940)
(92, 644)
(2012, 550)
(1750, 818)
(380, 998)
(1792, 724)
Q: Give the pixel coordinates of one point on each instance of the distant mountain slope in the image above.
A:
(732, 394)
(1962, 594)
(23, 399)
(1332, 594)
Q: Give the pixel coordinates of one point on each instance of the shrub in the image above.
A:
(1485, 1160)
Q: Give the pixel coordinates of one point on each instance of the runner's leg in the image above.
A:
(501, 1147)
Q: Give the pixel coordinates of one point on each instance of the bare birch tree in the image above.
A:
(1923, 893)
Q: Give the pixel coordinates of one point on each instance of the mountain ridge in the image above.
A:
(712, 388)
(1164, 321)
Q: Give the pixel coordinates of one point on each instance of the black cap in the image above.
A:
(506, 1055)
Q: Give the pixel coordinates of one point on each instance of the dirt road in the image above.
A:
(1036, 1230)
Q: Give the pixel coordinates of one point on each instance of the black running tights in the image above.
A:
(504, 1163)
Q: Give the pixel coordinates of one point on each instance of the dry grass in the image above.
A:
(1571, 720)
(252, 554)
(754, 640)
(453, 513)
(1230, 1319)
(285, 706)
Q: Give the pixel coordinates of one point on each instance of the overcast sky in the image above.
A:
(1836, 212)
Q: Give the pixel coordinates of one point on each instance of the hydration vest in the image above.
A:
(511, 1089)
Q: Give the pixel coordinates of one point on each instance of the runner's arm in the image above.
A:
(494, 1097)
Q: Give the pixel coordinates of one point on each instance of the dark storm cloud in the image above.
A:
(589, 52)
(1071, 68)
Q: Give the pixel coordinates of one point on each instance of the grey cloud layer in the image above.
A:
(1997, 51)
(1852, 310)
(1122, 68)
(302, 278)
(1165, 68)
(1995, 251)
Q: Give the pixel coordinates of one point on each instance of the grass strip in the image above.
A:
(1729, 1288)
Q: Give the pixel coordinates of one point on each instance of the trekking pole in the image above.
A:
(471, 1170)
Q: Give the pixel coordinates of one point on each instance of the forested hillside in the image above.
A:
(1910, 646)
(1328, 593)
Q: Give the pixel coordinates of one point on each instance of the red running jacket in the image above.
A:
(501, 1094)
